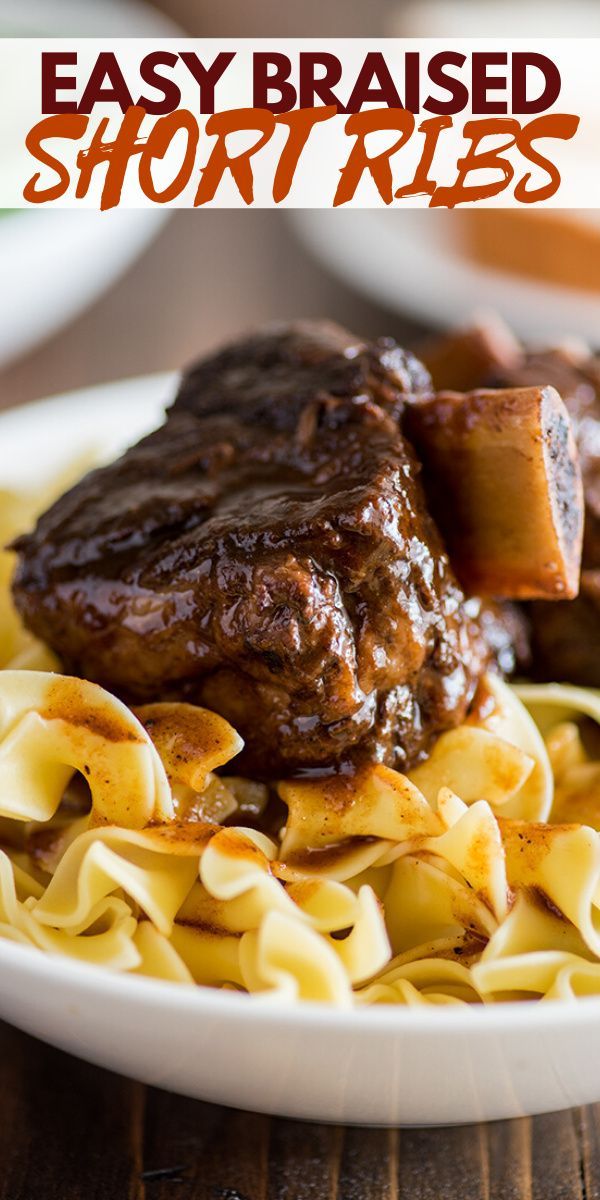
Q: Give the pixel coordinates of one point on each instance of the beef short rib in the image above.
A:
(268, 553)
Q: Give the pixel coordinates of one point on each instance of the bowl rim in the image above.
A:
(504, 1017)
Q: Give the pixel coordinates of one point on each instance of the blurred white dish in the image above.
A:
(55, 263)
(463, 19)
(374, 1066)
(412, 262)
(102, 18)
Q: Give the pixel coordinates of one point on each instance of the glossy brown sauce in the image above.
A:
(268, 553)
(69, 701)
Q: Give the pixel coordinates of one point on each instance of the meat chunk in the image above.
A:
(565, 636)
(268, 553)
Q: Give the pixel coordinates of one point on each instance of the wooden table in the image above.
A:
(69, 1131)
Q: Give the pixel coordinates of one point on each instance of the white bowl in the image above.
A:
(411, 261)
(384, 1065)
(54, 263)
(379, 1066)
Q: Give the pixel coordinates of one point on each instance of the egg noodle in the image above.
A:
(474, 878)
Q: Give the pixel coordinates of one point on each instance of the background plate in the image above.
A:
(53, 263)
(411, 262)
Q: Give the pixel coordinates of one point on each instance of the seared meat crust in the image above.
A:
(267, 553)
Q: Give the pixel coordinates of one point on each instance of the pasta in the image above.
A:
(474, 879)
(16, 513)
(374, 891)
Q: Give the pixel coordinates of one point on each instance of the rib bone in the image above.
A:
(503, 479)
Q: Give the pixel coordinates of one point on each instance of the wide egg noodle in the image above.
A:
(477, 763)
(18, 512)
(421, 978)
(16, 515)
(533, 924)
(210, 955)
(562, 863)
(33, 656)
(104, 936)
(158, 956)
(449, 887)
(344, 824)
(366, 949)
(425, 902)
(562, 712)
(456, 883)
(238, 885)
(290, 961)
(241, 886)
(510, 720)
(574, 980)
(552, 703)
(16, 886)
(191, 741)
(472, 845)
(54, 725)
(542, 974)
(155, 869)
(500, 757)
(402, 991)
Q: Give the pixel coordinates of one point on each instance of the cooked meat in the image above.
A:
(565, 636)
(505, 628)
(268, 553)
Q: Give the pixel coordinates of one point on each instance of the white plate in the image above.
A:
(410, 261)
(54, 263)
(374, 1066)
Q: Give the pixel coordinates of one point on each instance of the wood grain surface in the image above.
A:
(70, 1131)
